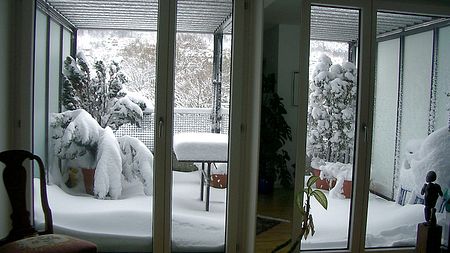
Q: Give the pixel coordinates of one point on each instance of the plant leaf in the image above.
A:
(321, 198)
(312, 180)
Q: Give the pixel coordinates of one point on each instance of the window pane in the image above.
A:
(40, 83)
(277, 159)
(200, 126)
(100, 104)
(410, 135)
(443, 78)
(385, 122)
(331, 122)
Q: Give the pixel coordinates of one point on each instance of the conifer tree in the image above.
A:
(331, 111)
(100, 94)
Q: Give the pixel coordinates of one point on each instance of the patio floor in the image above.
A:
(125, 224)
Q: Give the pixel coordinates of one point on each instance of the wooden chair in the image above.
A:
(23, 237)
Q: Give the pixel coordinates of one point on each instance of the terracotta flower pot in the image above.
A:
(88, 178)
(219, 181)
(324, 184)
(347, 189)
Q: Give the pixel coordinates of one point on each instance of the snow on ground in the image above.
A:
(125, 224)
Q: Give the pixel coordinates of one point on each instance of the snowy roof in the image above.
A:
(202, 16)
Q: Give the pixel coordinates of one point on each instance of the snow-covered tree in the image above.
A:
(101, 94)
(331, 111)
(139, 64)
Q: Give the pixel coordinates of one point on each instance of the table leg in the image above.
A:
(202, 182)
(208, 175)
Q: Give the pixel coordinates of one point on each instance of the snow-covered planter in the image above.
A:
(335, 177)
(81, 143)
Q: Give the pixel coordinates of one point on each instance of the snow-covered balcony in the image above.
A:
(409, 111)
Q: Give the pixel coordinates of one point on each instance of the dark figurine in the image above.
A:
(432, 191)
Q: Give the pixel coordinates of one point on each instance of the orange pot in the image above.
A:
(323, 184)
(88, 177)
(219, 181)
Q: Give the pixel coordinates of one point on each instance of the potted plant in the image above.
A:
(331, 115)
(83, 135)
(273, 159)
(307, 226)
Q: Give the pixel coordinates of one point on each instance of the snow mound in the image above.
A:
(108, 170)
(340, 172)
(137, 162)
(423, 156)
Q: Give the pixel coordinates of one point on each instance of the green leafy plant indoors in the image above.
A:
(307, 218)
(275, 132)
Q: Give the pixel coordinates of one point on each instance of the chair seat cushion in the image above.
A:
(51, 243)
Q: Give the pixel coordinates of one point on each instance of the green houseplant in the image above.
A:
(307, 226)
(273, 159)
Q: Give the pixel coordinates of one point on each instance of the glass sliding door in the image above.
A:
(410, 127)
(97, 103)
(200, 126)
(332, 107)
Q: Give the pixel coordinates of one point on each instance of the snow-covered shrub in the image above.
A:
(137, 162)
(74, 133)
(80, 142)
(101, 95)
(108, 171)
(331, 111)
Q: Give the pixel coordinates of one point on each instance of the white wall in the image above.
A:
(4, 108)
(281, 50)
(288, 55)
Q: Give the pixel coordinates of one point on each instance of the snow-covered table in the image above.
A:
(203, 148)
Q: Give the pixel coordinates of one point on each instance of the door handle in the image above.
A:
(160, 127)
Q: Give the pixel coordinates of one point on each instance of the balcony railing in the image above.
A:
(196, 120)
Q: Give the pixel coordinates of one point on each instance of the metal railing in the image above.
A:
(197, 120)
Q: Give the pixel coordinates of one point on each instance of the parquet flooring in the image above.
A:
(278, 205)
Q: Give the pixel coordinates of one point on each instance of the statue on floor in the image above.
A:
(432, 191)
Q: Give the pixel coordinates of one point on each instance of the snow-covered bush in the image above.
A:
(101, 95)
(331, 111)
(423, 156)
(137, 162)
(80, 142)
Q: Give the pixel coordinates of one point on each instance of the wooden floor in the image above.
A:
(277, 205)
